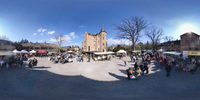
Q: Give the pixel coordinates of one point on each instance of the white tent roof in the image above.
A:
(52, 52)
(16, 51)
(173, 53)
(161, 50)
(121, 51)
(69, 51)
(32, 51)
(103, 53)
(24, 51)
(136, 51)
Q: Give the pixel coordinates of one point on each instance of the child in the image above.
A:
(125, 63)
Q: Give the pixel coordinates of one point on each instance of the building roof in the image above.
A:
(189, 33)
(6, 42)
(102, 29)
(42, 44)
(177, 42)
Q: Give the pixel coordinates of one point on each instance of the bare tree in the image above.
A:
(59, 39)
(3, 37)
(168, 38)
(155, 35)
(130, 29)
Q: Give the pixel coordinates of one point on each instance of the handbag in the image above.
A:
(132, 77)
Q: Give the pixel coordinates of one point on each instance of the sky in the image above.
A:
(41, 20)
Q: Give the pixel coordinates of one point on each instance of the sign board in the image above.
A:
(5, 53)
(185, 54)
(194, 53)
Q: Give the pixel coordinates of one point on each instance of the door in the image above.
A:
(88, 48)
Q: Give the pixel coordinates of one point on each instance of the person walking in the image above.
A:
(125, 63)
(136, 65)
(168, 69)
(192, 67)
(146, 67)
(142, 68)
(35, 62)
(131, 56)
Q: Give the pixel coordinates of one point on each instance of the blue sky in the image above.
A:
(41, 20)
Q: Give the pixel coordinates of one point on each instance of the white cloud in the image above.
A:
(41, 33)
(82, 26)
(40, 30)
(43, 30)
(121, 41)
(34, 34)
(72, 34)
(53, 40)
(51, 32)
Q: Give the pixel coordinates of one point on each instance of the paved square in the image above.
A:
(95, 80)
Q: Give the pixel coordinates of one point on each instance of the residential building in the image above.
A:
(49, 47)
(189, 42)
(6, 45)
(95, 42)
(170, 46)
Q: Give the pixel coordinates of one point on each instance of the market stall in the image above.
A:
(16, 52)
(32, 52)
(103, 55)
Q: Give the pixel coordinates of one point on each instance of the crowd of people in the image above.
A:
(13, 61)
(61, 58)
(32, 63)
(141, 69)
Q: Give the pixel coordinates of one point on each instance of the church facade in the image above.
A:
(95, 42)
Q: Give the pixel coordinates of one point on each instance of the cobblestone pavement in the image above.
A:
(96, 80)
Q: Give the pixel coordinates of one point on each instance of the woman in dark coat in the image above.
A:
(136, 65)
(168, 69)
(35, 62)
(146, 67)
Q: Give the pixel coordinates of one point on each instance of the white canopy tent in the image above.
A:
(24, 51)
(135, 51)
(103, 53)
(173, 53)
(32, 51)
(16, 51)
(69, 51)
(121, 51)
(161, 50)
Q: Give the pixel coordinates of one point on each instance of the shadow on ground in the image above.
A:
(28, 84)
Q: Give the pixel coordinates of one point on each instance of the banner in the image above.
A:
(193, 53)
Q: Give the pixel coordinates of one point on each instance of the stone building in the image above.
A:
(170, 46)
(95, 42)
(189, 42)
(49, 47)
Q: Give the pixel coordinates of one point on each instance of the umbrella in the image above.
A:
(32, 51)
(24, 51)
(41, 51)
